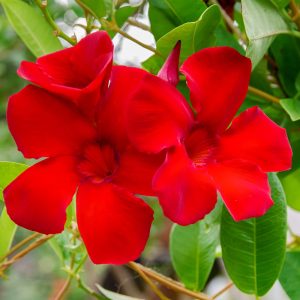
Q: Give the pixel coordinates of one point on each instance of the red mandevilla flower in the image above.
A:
(89, 155)
(207, 153)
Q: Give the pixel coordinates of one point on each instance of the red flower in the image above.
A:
(207, 153)
(92, 158)
(79, 73)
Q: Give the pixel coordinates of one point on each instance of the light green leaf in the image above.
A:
(292, 107)
(114, 296)
(31, 27)
(193, 248)
(193, 36)
(165, 15)
(253, 250)
(262, 23)
(95, 7)
(290, 275)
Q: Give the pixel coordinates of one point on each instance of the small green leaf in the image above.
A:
(262, 23)
(193, 248)
(31, 27)
(113, 296)
(193, 36)
(290, 275)
(292, 107)
(95, 7)
(253, 250)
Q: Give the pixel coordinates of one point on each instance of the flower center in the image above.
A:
(98, 162)
(201, 146)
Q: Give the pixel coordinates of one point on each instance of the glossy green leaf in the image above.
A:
(253, 250)
(113, 296)
(193, 248)
(290, 275)
(193, 36)
(165, 15)
(8, 172)
(262, 23)
(95, 7)
(292, 107)
(31, 27)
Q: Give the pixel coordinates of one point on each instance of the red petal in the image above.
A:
(186, 193)
(83, 68)
(169, 71)
(158, 116)
(44, 126)
(112, 112)
(38, 198)
(218, 80)
(243, 187)
(256, 138)
(136, 171)
(114, 224)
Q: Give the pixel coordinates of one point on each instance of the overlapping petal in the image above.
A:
(218, 80)
(244, 188)
(44, 125)
(186, 193)
(256, 138)
(158, 116)
(113, 223)
(38, 198)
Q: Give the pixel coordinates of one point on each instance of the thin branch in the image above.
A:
(154, 288)
(168, 282)
(138, 24)
(223, 290)
(263, 95)
(62, 292)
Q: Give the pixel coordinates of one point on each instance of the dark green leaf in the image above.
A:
(193, 249)
(253, 250)
(31, 27)
(281, 3)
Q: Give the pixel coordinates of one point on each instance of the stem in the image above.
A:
(223, 290)
(148, 281)
(168, 282)
(263, 94)
(57, 30)
(296, 13)
(19, 245)
(138, 24)
(64, 289)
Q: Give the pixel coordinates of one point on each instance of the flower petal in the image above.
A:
(38, 198)
(218, 79)
(186, 193)
(136, 171)
(158, 116)
(169, 71)
(114, 224)
(256, 138)
(44, 125)
(243, 187)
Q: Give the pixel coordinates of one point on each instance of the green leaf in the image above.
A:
(8, 172)
(95, 7)
(281, 3)
(262, 23)
(193, 36)
(113, 296)
(292, 107)
(290, 275)
(253, 250)
(31, 27)
(193, 248)
(165, 15)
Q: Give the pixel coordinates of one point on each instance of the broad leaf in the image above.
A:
(165, 15)
(31, 27)
(290, 275)
(113, 296)
(262, 23)
(193, 249)
(193, 36)
(292, 107)
(96, 8)
(253, 250)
